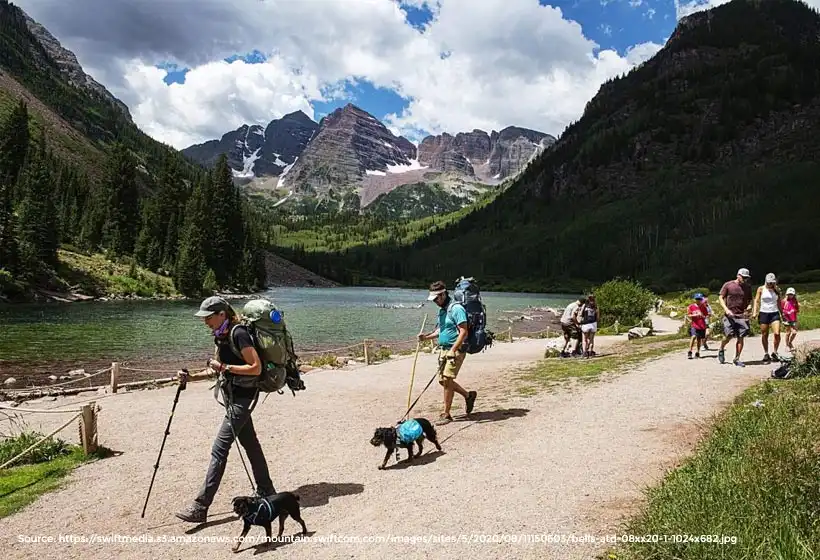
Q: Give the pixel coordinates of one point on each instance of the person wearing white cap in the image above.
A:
(735, 297)
(790, 308)
(767, 301)
(451, 332)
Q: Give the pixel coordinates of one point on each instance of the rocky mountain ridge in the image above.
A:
(351, 151)
(70, 67)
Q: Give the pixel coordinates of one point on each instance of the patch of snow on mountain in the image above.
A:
(260, 131)
(281, 182)
(497, 175)
(247, 166)
(279, 162)
(388, 144)
(375, 172)
(278, 202)
(412, 166)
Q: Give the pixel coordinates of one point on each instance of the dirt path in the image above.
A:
(559, 463)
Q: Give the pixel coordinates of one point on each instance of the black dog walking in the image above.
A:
(389, 437)
(262, 511)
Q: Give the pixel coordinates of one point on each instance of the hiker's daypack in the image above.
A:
(273, 343)
(467, 294)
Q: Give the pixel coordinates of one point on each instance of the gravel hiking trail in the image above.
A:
(570, 461)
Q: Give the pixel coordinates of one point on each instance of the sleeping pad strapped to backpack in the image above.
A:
(274, 345)
(467, 294)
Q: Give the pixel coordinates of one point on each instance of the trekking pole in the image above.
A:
(182, 384)
(413, 374)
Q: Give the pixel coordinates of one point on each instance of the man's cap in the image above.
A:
(433, 295)
(744, 272)
(791, 292)
(211, 305)
(698, 295)
(771, 278)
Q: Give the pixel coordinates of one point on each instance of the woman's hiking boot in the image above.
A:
(721, 356)
(194, 513)
(689, 354)
(775, 357)
(766, 359)
(444, 419)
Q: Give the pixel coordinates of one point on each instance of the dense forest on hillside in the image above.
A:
(124, 193)
(701, 160)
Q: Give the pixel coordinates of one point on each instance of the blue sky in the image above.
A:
(612, 24)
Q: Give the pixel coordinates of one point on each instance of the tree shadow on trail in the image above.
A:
(483, 417)
(319, 494)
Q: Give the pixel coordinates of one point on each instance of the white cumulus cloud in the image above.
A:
(477, 64)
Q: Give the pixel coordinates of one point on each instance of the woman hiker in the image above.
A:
(588, 317)
(767, 302)
(220, 317)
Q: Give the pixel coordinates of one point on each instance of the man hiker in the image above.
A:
(735, 297)
(570, 327)
(451, 331)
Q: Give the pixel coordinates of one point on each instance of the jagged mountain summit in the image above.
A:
(256, 151)
(351, 151)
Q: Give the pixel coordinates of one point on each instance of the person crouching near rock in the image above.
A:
(570, 327)
(452, 333)
(220, 317)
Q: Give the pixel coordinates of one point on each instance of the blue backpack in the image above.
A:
(468, 295)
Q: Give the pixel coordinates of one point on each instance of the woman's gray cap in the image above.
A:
(211, 305)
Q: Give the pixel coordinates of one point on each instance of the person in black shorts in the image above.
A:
(571, 327)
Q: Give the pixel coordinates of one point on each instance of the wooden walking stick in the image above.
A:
(415, 359)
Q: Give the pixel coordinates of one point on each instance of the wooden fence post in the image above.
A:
(88, 428)
(115, 374)
(366, 357)
(510, 332)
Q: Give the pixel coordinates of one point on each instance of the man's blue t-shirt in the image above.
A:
(448, 325)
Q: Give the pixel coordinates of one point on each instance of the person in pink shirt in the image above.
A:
(706, 308)
(697, 318)
(790, 308)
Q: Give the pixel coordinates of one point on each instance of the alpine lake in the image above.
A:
(53, 338)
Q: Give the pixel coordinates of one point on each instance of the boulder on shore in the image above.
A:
(638, 332)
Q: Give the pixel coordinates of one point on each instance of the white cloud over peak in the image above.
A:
(486, 64)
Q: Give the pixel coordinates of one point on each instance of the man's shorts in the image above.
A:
(571, 331)
(768, 318)
(449, 368)
(697, 333)
(735, 327)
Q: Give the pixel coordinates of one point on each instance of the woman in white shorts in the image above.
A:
(588, 318)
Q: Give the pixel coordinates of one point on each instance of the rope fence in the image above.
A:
(87, 414)
(366, 352)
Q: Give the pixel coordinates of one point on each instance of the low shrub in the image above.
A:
(624, 301)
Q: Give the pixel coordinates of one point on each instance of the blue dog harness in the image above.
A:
(264, 504)
(409, 431)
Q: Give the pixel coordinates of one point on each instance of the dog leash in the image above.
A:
(403, 418)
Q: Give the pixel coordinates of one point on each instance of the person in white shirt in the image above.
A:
(570, 327)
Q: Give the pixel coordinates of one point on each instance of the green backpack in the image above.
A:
(274, 344)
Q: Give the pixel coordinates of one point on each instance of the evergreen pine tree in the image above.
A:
(123, 219)
(191, 266)
(14, 142)
(38, 227)
(226, 225)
